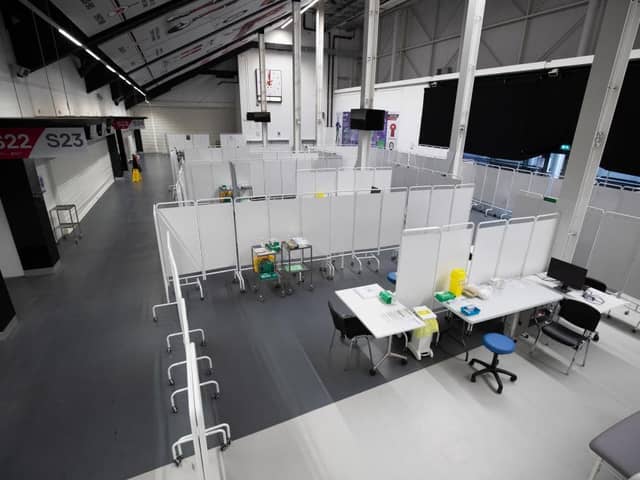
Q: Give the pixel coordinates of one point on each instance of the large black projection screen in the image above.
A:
(521, 115)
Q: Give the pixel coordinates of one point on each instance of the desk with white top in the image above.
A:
(608, 303)
(382, 320)
(517, 295)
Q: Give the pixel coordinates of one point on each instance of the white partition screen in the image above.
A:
(367, 221)
(363, 178)
(326, 180)
(181, 223)
(440, 206)
(346, 179)
(392, 218)
(614, 250)
(490, 184)
(486, 250)
(629, 202)
(417, 264)
(284, 218)
(252, 226)
(306, 181)
(503, 187)
(418, 207)
(316, 223)
(539, 251)
(462, 198)
(217, 234)
(455, 245)
(514, 247)
(342, 223)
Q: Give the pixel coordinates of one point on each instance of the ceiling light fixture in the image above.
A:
(69, 37)
(92, 54)
(307, 7)
(110, 68)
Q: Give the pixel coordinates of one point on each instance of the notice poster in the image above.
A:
(349, 137)
(39, 142)
(385, 138)
(392, 130)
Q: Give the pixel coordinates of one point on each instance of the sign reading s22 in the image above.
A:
(40, 142)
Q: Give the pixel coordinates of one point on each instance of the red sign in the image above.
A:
(40, 142)
(127, 123)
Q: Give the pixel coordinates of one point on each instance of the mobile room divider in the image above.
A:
(214, 236)
(199, 431)
(501, 248)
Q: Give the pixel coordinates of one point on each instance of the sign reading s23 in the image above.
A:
(40, 142)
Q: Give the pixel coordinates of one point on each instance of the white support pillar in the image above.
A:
(369, 62)
(469, 46)
(619, 30)
(297, 80)
(319, 73)
(262, 66)
(587, 28)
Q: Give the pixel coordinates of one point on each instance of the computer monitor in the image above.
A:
(568, 274)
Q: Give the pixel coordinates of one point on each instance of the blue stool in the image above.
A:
(500, 345)
(392, 276)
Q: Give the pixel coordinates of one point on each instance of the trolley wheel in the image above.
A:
(209, 372)
(177, 460)
(225, 445)
(372, 372)
(330, 277)
(404, 361)
(234, 279)
(596, 337)
(169, 350)
(261, 298)
(172, 382)
(216, 396)
(283, 293)
(203, 343)
(311, 287)
(254, 288)
(514, 378)
(174, 409)
(289, 291)
(368, 262)
(243, 290)
(76, 241)
(352, 264)
(473, 379)
(155, 319)
(634, 330)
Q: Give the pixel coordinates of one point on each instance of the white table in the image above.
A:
(383, 321)
(516, 296)
(609, 302)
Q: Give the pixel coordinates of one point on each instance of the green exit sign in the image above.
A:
(565, 147)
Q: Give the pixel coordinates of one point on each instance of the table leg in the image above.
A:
(388, 354)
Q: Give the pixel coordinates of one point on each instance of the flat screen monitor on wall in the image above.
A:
(367, 119)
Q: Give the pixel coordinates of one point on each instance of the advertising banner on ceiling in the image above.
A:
(40, 142)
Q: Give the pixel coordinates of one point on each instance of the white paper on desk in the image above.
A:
(368, 291)
(403, 315)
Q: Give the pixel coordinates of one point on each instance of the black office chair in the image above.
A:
(580, 316)
(350, 328)
(597, 284)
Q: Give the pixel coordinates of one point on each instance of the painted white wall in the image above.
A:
(57, 90)
(281, 126)
(201, 105)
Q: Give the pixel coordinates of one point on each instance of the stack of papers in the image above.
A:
(368, 291)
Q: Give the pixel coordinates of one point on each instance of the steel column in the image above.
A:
(620, 22)
(262, 66)
(319, 72)
(469, 46)
(369, 60)
(394, 46)
(297, 79)
(587, 28)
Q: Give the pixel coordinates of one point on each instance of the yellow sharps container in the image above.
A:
(456, 281)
